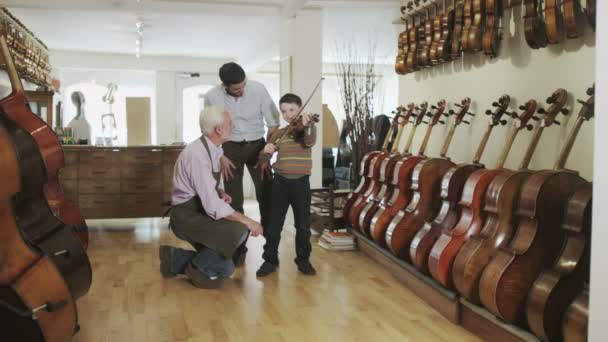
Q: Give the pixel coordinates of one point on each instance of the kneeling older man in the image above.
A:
(201, 213)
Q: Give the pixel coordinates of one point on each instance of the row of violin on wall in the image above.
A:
(433, 36)
(514, 241)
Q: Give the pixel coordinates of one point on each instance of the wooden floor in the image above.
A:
(350, 299)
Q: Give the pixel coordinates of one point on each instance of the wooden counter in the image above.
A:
(119, 182)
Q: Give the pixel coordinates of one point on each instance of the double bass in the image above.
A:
(402, 194)
(500, 201)
(472, 216)
(451, 191)
(556, 288)
(386, 170)
(506, 281)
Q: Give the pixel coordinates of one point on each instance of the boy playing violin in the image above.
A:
(290, 185)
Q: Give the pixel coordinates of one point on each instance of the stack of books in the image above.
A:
(337, 240)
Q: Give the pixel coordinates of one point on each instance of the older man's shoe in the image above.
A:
(164, 254)
(239, 258)
(266, 269)
(201, 280)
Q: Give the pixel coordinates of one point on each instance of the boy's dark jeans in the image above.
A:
(285, 192)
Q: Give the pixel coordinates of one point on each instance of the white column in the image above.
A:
(598, 310)
(165, 123)
(301, 68)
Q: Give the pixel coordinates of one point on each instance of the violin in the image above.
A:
(507, 279)
(447, 28)
(491, 34)
(468, 23)
(425, 59)
(412, 52)
(556, 288)
(499, 206)
(471, 218)
(437, 32)
(572, 15)
(401, 180)
(452, 185)
(386, 170)
(553, 20)
(476, 30)
(457, 35)
(535, 30)
(590, 12)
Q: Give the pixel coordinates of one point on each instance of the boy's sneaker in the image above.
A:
(266, 269)
(164, 254)
(306, 267)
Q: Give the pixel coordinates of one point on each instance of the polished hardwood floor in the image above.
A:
(350, 299)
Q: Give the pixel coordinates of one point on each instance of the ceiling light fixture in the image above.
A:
(139, 29)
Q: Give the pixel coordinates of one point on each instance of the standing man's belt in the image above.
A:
(245, 142)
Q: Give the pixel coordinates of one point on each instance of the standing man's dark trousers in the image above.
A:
(246, 154)
(286, 192)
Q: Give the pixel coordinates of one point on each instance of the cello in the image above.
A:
(374, 176)
(386, 169)
(364, 183)
(507, 279)
(426, 183)
(472, 216)
(35, 301)
(402, 172)
(575, 321)
(500, 201)
(15, 109)
(556, 288)
(451, 191)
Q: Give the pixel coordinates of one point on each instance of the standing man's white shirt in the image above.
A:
(249, 112)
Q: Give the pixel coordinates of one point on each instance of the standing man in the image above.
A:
(250, 106)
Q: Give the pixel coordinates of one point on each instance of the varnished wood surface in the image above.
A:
(352, 297)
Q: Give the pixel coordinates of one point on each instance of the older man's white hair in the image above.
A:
(210, 118)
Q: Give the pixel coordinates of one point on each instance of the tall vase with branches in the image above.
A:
(358, 90)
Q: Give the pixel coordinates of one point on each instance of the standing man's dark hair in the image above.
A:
(231, 73)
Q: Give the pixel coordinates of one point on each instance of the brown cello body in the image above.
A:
(575, 321)
(556, 288)
(386, 189)
(507, 279)
(52, 155)
(401, 197)
(426, 185)
(28, 280)
(452, 185)
(470, 223)
(476, 253)
(363, 184)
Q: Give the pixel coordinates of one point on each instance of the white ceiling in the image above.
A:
(237, 29)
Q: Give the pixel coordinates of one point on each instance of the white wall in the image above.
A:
(523, 74)
(598, 331)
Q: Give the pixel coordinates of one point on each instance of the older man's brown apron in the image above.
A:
(190, 222)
